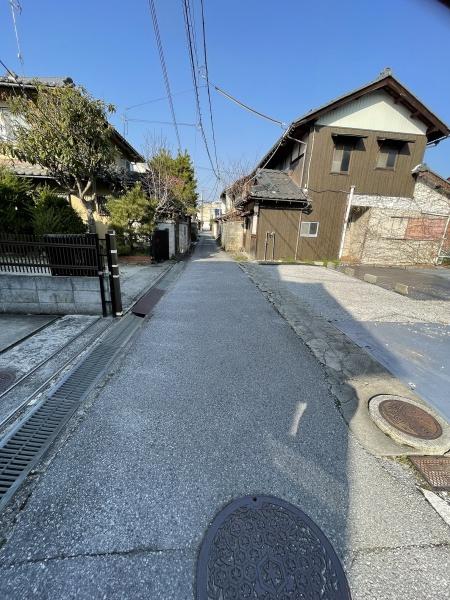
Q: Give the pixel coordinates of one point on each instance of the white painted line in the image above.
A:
(439, 505)
(299, 410)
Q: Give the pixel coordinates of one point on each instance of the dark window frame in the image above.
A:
(391, 144)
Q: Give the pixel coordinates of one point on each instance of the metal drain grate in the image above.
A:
(27, 442)
(435, 469)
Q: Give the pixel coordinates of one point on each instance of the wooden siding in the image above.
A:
(363, 173)
(329, 210)
(284, 223)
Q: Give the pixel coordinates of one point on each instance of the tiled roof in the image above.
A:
(276, 185)
(29, 81)
(24, 169)
(432, 178)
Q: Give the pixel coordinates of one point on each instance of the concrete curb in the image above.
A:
(401, 288)
(353, 375)
(370, 278)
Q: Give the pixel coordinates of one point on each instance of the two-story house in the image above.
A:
(358, 161)
(128, 160)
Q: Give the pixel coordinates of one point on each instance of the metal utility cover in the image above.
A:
(435, 469)
(145, 304)
(264, 547)
(410, 419)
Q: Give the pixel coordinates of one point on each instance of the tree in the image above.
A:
(170, 180)
(52, 214)
(132, 214)
(16, 203)
(66, 131)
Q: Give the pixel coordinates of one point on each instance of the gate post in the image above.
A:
(101, 274)
(114, 277)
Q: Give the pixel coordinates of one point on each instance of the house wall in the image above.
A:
(376, 110)
(43, 294)
(363, 173)
(398, 231)
(231, 237)
(284, 224)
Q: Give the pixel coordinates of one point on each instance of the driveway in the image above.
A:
(216, 398)
(431, 283)
(410, 338)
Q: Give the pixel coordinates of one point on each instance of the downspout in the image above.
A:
(344, 226)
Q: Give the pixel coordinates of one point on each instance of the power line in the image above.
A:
(188, 27)
(282, 124)
(159, 99)
(160, 122)
(164, 68)
(207, 84)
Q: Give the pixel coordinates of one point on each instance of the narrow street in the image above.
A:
(216, 398)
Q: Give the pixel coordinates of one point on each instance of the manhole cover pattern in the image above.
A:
(410, 419)
(265, 548)
(435, 469)
(7, 378)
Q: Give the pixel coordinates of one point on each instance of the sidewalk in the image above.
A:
(216, 398)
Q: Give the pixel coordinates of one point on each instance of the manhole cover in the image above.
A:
(435, 469)
(264, 547)
(410, 419)
(7, 378)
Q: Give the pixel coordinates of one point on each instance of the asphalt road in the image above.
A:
(217, 398)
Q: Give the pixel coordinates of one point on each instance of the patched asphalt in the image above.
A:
(216, 398)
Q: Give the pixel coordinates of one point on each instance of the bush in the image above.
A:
(16, 203)
(53, 214)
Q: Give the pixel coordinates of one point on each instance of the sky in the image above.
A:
(282, 58)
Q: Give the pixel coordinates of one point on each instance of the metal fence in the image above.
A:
(52, 254)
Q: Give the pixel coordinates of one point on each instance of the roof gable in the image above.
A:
(376, 110)
(436, 128)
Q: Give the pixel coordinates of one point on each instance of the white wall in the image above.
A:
(376, 111)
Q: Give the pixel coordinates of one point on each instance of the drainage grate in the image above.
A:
(27, 442)
(145, 304)
(7, 378)
(264, 547)
(435, 469)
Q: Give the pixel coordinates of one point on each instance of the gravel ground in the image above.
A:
(217, 398)
(135, 279)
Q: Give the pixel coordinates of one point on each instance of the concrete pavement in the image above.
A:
(216, 398)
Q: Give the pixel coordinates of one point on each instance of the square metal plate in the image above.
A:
(435, 469)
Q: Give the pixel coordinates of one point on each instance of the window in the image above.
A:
(387, 156)
(341, 156)
(309, 229)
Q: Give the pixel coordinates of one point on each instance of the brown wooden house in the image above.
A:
(333, 161)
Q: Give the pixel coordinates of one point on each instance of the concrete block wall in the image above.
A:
(43, 294)
(232, 236)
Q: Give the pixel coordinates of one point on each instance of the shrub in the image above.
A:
(53, 214)
(16, 203)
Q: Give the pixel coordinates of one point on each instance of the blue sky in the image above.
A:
(282, 58)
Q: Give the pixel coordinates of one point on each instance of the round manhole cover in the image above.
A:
(263, 547)
(410, 419)
(7, 378)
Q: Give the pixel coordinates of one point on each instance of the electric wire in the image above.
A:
(207, 84)
(164, 68)
(188, 28)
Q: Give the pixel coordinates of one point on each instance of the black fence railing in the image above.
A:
(52, 254)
